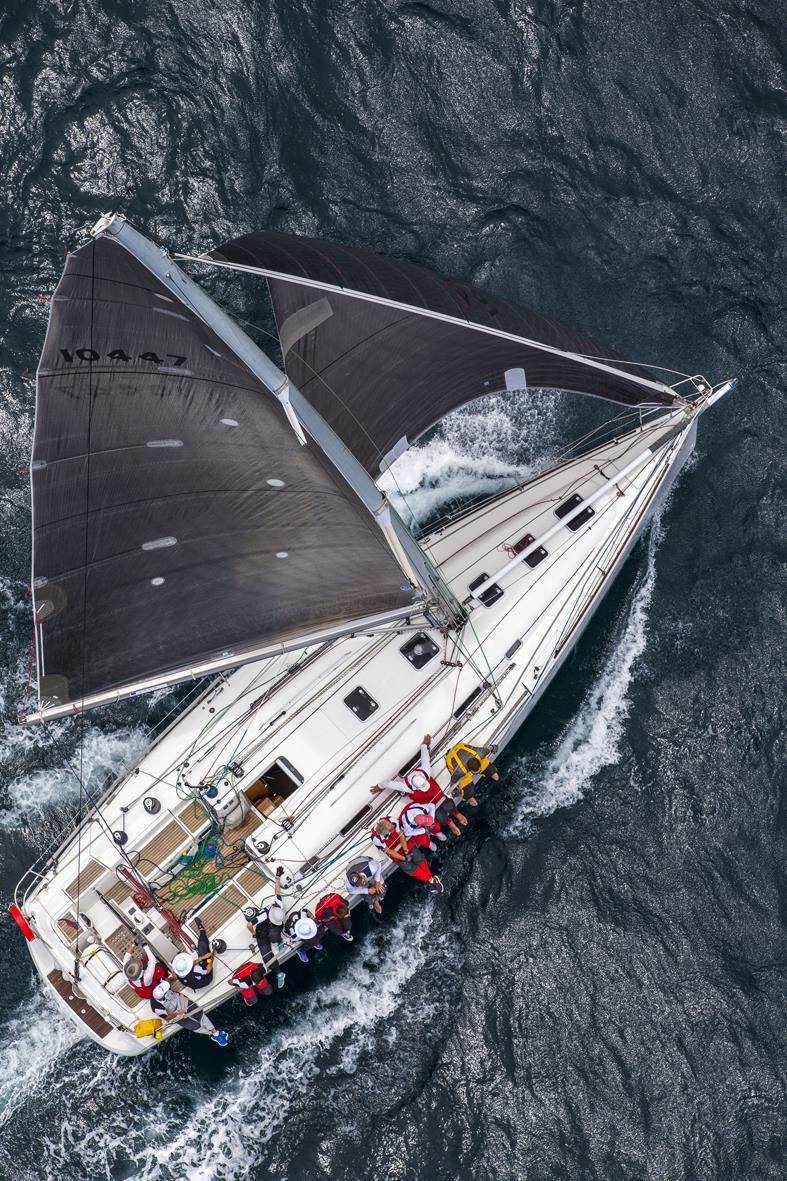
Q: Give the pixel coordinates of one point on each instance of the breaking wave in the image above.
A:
(481, 449)
(48, 791)
(35, 1038)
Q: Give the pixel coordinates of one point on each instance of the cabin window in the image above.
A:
(413, 761)
(361, 703)
(537, 555)
(568, 506)
(420, 650)
(356, 819)
(464, 706)
(274, 785)
(490, 595)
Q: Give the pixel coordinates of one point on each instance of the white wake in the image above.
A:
(592, 739)
(211, 1132)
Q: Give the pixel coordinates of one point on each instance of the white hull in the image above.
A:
(292, 708)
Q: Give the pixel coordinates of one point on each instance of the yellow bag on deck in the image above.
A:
(149, 1028)
(456, 760)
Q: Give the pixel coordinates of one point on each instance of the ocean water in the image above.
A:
(600, 994)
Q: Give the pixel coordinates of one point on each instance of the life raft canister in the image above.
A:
(456, 760)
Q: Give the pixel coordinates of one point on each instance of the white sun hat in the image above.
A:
(305, 928)
(418, 780)
(182, 963)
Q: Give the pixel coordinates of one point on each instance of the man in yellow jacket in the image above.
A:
(467, 765)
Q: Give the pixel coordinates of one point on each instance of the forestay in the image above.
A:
(381, 348)
(177, 520)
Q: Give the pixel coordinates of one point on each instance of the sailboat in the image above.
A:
(201, 515)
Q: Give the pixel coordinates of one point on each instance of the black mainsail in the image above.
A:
(381, 348)
(179, 526)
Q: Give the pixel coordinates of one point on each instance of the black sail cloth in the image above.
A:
(382, 375)
(176, 517)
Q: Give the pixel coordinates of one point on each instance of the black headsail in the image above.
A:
(381, 348)
(179, 526)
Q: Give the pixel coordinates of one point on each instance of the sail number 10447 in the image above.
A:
(170, 359)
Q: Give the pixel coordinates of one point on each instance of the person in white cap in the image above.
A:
(304, 929)
(420, 786)
(418, 824)
(174, 1006)
(366, 877)
(268, 923)
(195, 971)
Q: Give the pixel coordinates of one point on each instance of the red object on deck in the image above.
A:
(21, 922)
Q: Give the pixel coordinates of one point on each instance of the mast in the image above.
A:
(437, 599)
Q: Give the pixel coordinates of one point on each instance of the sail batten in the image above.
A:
(384, 349)
(178, 522)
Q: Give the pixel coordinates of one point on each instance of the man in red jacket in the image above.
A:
(333, 912)
(251, 982)
(407, 855)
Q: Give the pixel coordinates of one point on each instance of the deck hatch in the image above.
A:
(361, 703)
(537, 555)
(420, 650)
(568, 506)
(491, 594)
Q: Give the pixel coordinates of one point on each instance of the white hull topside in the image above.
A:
(291, 708)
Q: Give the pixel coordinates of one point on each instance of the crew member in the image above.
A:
(418, 824)
(175, 1006)
(195, 971)
(366, 878)
(421, 786)
(411, 860)
(267, 925)
(467, 765)
(333, 912)
(251, 982)
(303, 929)
(142, 970)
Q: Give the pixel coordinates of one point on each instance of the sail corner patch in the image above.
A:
(515, 379)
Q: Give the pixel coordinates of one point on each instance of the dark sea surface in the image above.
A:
(600, 994)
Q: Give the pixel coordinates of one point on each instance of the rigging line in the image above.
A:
(84, 594)
(641, 364)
